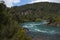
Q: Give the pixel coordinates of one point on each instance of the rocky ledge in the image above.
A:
(55, 24)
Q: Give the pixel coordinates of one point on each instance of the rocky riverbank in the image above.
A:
(55, 24)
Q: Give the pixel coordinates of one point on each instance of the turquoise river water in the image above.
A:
(42, 30)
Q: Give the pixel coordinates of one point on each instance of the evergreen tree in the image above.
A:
(9, 27)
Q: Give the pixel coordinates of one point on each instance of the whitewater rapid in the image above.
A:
(41, 27)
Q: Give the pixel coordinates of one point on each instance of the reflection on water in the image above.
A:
(40, 29)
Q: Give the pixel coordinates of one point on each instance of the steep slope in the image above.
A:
(9, 28)
(37, 12)
(44, 7)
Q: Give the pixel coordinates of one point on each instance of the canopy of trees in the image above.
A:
(10, 18)
(9, 27)
(36, 12)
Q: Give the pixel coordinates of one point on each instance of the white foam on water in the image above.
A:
(33, 26)
(44, 31)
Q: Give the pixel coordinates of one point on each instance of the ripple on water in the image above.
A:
(37, 28)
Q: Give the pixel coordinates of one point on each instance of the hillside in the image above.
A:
(9, 28)
(10, 18)
(37, 12)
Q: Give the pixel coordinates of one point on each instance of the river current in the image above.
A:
(42, 30)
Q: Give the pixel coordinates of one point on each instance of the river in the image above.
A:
(41, 31)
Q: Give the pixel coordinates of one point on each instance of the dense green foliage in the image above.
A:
(11, 17)
(9, 27)
(36, 12)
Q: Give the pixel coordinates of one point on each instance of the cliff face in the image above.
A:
(37, 12)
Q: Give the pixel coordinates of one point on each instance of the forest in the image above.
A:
(37, 12)
(10, 18)
(9, 27)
